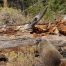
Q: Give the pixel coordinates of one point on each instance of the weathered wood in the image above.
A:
(17, 42)
(30, 42)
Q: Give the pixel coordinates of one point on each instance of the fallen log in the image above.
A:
(17, 42)
(55, 40)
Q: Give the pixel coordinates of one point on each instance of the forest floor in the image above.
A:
(28, 55)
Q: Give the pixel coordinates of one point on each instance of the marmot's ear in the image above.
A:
(63, 62)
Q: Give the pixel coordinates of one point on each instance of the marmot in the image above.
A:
(49, 54)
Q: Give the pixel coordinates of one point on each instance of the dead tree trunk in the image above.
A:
(5, 3)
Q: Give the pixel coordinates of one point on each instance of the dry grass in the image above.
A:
(14, 14)
(23, 56)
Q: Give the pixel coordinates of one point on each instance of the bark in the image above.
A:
(17, 43)
(54, 40)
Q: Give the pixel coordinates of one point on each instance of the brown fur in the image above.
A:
(63, 62)
(50, 56)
